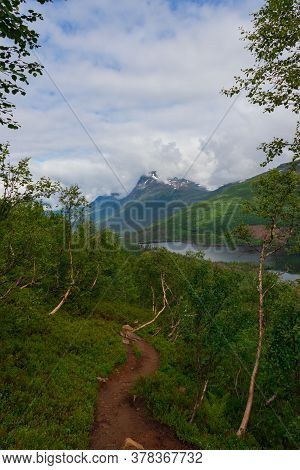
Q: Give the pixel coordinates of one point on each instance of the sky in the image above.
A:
(132, 86)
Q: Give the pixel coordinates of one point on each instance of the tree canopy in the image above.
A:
(19, 38)
(273, 80)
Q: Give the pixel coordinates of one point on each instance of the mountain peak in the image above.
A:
(183, 183)
(146, 179)
(151, 187)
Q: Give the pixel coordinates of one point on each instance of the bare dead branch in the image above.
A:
(267, 290)
(164, 288)
(157, 331)
(270, 400)
(64, 298)
(11, 288)
(174, 328)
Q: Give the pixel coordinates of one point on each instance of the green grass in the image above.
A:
(169, 394)
(49, 369)
(137, 352)
(122, 313)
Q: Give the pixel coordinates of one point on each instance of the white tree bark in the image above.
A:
(243, 426)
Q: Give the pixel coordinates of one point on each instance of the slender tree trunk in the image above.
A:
(96, 278)
(199, 401)
(243, 426)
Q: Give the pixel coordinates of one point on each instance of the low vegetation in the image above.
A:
(227, 344)
(65, 291)
(49, 369)
(228, 335)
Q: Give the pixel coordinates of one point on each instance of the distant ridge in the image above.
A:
(111, 210)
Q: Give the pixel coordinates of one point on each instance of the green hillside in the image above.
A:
(66, 289)
(209, 221)
(141, 207)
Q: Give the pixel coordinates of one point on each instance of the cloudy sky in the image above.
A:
(134, 85)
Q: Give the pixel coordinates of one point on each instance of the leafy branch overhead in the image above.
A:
(274, 79)
(19, 39)
(276, 201)
(18, 185)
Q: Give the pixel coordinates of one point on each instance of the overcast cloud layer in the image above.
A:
(144, 78)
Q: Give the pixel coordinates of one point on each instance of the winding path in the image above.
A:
(118, 416)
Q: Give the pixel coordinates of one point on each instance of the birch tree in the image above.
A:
(276, 201)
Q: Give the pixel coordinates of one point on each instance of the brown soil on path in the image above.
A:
(118, 416)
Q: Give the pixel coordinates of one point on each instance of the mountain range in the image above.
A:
(151, 188)
(165, 207)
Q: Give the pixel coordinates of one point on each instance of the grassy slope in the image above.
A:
(206, 219)
(49, 369)
(170, 393)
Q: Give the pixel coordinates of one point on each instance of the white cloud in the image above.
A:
(145, 82)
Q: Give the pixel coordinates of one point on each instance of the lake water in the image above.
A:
(288, 266)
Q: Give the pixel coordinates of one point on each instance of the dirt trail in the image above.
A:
(118, 416)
